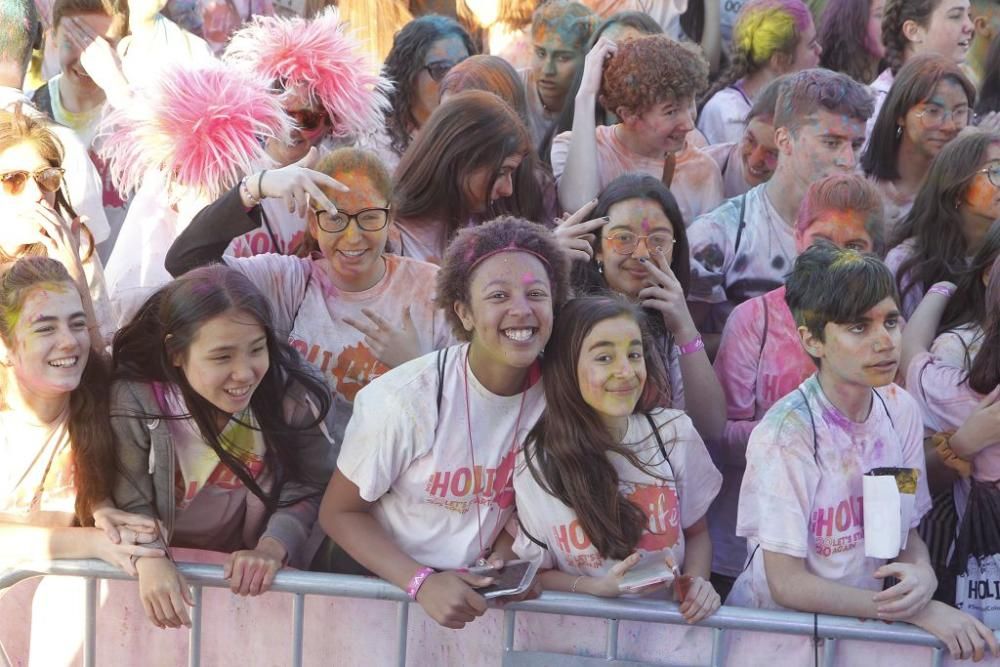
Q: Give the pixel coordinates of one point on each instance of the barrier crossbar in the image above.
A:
(300, 584)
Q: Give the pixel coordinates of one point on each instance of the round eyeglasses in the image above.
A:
(48, 179)
(625, 243)
(932, 116)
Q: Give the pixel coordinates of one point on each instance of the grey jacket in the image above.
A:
(147, 466)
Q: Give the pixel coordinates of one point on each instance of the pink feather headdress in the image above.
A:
(202, 128)
(320, 58)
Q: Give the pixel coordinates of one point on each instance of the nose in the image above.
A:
(31, 191)
(884, 340)
(550, 66)
(848, 158)
(641, 249)
(67, 341)
(504, 187)
(687, 120)
(968, 27)
(242, 372)
(353, 232)
(519, 304)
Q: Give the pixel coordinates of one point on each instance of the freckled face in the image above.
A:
(845, 229)
(611, 370)
(664, 126)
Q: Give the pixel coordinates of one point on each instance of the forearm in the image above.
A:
(205, 240)
(735, 437)
(711, 36)
(578, 183)
(918, 334)
(368, 543)
(798, 589)
(915, 552)
(37, 543)
(554, 580)
(698, 552)
(704, 400)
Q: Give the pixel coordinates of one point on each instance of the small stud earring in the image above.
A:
(899, 131)
(600, 267)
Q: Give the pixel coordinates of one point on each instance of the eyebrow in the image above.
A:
(608, 343)
(53, 318)
(226, 348)
(624, 226)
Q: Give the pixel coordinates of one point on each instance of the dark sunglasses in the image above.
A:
(49, 179)
(438, 69)
(307, 119)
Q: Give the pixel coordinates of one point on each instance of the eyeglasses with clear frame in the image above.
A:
(932, 116)
(372, 219)
(993, 173)
(625, 243)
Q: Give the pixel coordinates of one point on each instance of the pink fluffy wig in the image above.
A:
(318, 57)
(203, 129)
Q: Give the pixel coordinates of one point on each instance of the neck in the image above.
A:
(974, 228)
(551, 104)
(78, 99)
(912, 166)
(617, 427)
(11, 76)
(636, 143)
(853, 400)
(44, 409)
(499, 378)
(358, 283)
(785, 194)
(752, 84)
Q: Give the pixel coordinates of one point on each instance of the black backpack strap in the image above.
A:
(442, 359)
(742, 225)
(531, 537)
(886, 408)
(659, 439)
(763, 337)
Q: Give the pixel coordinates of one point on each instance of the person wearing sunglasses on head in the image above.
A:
(422, 54)
(330, 88)
(351, 309)
(39, 219)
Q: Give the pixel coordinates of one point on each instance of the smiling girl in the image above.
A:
(349, 308)
(423, 484)
(607, 482)
(220, 436)
(58, 460)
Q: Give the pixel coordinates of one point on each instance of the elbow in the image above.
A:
(174, 263)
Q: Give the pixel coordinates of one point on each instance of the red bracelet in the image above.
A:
(691, 346)
(417, 581)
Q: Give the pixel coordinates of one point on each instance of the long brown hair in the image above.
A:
(471, 131)
(984, 373)
(567, 450)
(90, 435)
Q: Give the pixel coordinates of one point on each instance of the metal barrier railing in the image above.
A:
(299, 584)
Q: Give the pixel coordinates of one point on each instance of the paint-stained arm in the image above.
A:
(579, 182)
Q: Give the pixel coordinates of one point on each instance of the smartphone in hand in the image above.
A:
(515, 578)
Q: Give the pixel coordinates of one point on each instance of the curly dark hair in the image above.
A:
(649, 70)
(472, 244)
(403, 65)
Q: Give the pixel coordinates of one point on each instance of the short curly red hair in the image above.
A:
(650, 70)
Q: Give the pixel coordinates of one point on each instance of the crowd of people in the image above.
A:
(638, 297)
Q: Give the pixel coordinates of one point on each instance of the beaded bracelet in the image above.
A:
(691, 346)
(943, 289)
(245, 190)
(417, 581)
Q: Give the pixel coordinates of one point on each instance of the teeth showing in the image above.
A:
(64, 363)
(238, 393)
(353, 253)
(519, 335)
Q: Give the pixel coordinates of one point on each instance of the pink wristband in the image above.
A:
(691, 346)
(417, 581)
(945, 290)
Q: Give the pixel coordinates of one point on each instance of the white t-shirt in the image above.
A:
(36, 476)
(721, 272)
(724, 116)
(802, 490)
(450, 496)
(281, 232)
(312, 310)
(673, 499)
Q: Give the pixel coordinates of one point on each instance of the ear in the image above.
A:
(783, 140)
(625, 114)
(465, 315)
(913, 31)
(812, 345)
(779, 62)
(176, 359)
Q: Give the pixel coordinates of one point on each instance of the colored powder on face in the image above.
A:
(528, 278)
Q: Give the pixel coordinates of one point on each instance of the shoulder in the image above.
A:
(413, 383)
(133, 393)
(789, 424)
(899, 403)
(900, 254)
(409, 268)
(725, 216)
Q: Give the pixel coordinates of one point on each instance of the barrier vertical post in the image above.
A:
(829, 652)
(298, 621)
(718, 647)
(403, 619)
(90, 620)
(508, 630)
(937, 658)
(194, 636)
(611, 645)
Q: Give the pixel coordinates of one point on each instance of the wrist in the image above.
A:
(418, 580)
(272, 548)
(694, 345)
(944, 288)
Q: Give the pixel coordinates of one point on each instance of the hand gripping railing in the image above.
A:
(300, 584)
